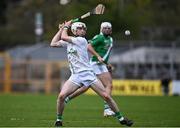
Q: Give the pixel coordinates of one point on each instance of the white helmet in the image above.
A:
(75, 25)
(105, 24)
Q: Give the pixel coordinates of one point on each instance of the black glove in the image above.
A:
(110, 68)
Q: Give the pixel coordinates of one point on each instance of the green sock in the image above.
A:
(118, 115)
(59, 117)
(106, 106)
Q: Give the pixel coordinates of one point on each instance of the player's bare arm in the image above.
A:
(56, 39)
(92, 51)
(65, 35)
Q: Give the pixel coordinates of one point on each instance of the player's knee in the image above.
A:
(61, 97)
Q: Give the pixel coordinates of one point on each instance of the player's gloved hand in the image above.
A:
(61, 25)
(68, 23)
(110, 68)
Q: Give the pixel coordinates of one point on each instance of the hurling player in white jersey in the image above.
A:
(81, 71)
(100, 47)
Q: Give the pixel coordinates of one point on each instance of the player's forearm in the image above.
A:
(92, 51)
(65, 35)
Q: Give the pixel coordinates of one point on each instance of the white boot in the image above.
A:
(108, 112)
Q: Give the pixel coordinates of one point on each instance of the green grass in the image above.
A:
(30, 110)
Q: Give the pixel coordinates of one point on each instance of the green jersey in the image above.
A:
(102, 45)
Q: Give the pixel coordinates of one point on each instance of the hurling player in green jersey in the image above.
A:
(100, 47)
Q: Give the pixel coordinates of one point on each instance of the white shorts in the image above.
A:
(85, 78)
(99, 68)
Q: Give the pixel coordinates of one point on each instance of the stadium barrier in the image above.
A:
(5, 71)
(31, 75)
(47, 76)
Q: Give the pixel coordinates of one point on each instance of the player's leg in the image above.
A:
(76, 93)
(68, 88)
(106, 80)
(100, 90)
(104, 76)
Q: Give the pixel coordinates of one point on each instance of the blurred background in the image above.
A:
(146, 62)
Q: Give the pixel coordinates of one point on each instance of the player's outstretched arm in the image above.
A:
(65, 36)
(92, 51)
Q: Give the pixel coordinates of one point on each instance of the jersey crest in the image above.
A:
(73, 52)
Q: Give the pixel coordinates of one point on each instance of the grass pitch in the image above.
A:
(35, 110)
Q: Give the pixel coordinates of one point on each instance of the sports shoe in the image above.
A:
(108, 112)
(58, 123)
(66, 100)
(126, 122)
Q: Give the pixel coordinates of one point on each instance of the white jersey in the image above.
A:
(78, 55)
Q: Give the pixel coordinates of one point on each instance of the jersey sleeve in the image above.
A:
(96, 40)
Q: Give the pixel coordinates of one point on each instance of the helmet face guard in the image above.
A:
(77, 25)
